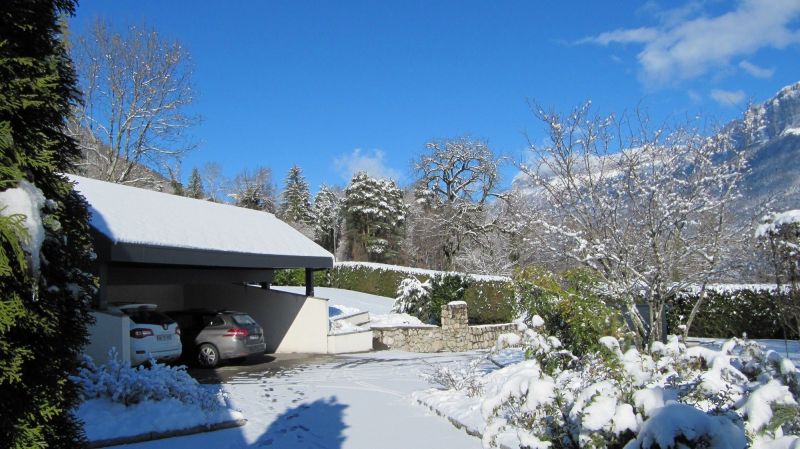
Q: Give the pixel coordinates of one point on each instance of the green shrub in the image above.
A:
(374, 281)
(445, 288)
(569, 305)
(297, 277)
(490, 302)
(729, 313)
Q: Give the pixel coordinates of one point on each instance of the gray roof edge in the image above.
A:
(152, 254)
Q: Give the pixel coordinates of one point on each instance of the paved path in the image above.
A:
(360, 401)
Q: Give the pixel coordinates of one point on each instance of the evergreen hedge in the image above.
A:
(730, 313)
(44, 312)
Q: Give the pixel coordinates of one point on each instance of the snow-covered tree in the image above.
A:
(195, 187)
(779, 233)
(649, 211)
(45, 246)
(375, 215)
(295, 204)
(136, 89)
(457, 180)
(327, 216)
(254, 189)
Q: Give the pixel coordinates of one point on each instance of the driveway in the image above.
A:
(357, 401)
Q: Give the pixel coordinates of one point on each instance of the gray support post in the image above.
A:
(309, 282)
(101, 300)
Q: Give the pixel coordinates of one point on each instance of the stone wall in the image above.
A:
(455, 334)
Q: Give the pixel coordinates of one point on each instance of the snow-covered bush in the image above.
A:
(467, 377)
(119, 382)
(412, 295)
(425, 299)
(671, 397)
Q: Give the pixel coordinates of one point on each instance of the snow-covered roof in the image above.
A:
(143, 226)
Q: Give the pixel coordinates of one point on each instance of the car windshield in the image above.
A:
(243, 320)
(149, 317)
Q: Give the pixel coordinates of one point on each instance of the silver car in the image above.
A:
(210, 336)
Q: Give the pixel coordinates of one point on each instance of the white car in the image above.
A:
(153, 334)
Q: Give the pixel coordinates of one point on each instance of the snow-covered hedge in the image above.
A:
(671, 397)
(731, 311)
(489, 298)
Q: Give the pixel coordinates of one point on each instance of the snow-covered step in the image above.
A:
(356, 319)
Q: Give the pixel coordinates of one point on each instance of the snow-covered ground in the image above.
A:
(344, 402)
(373, 304)
(786, 348)
(347, 302)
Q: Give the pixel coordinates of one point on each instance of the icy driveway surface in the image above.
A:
(360, 401)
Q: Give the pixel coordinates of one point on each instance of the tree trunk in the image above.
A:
(693, 313)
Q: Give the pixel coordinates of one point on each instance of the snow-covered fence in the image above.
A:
(455, 334)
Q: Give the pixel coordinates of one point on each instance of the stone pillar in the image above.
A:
(455, 326)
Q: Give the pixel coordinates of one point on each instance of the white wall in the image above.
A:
(109, 331)
(292, 323)
(352, 342)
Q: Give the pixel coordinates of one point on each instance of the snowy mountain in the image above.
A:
(775, 159)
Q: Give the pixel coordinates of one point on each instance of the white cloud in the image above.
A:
(756, 71)
(728, 97)
(694, 96)
(635, 35)
(371, 162)
(678, 50)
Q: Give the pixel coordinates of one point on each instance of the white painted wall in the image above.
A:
(348, 343)
(109, 331)
(291, 322)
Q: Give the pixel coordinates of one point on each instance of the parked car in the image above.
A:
(153, 333)
(210, 336)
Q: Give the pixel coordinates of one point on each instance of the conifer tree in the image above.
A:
(295, 204)
(327, 217)
(375, 214)
(195, 187)
(45, 247)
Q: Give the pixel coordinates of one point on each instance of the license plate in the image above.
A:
(254, 337)
(164, 337)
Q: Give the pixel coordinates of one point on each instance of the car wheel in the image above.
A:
(207, 355)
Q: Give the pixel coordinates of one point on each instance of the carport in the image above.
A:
(179, 253)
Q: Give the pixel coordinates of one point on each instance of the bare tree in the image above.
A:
(136, 89)
(254, 189)
(779, 235)
(648, 210)
(457, 181)
(214, 181)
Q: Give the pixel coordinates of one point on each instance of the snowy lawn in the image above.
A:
(360, 401)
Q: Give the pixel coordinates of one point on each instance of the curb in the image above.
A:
(458, 424)
(149, 436)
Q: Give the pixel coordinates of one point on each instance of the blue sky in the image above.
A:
(336, 87)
